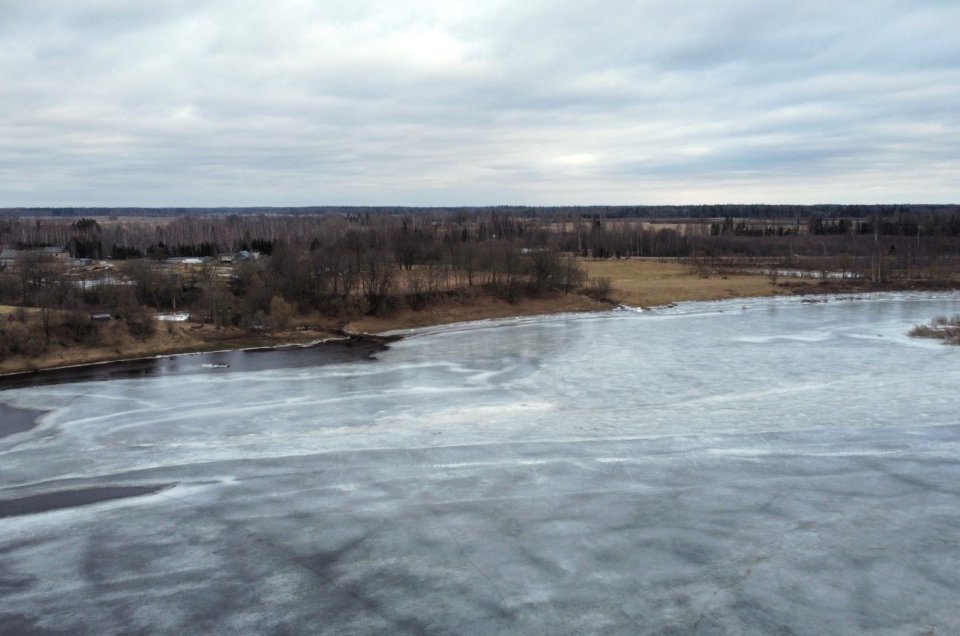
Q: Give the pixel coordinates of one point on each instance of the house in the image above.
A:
(57, 252)
(242, 255)
(10, 257)
(186, 263)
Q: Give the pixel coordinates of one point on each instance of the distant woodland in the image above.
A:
(259, 269)
(758, 211)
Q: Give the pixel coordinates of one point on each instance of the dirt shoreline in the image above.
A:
(172, 353)
(79, 357)
(481, 308)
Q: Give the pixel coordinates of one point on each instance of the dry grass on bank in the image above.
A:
(638, 282)
(478, 308)
(642, 282)
(182, 338)
(10, 309)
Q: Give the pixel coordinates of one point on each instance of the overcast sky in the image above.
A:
(425, 102)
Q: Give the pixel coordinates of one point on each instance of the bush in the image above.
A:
(599, 289)
(140, 323)
(77, 326)
(940, 328)
(280, 313)
(21, 339)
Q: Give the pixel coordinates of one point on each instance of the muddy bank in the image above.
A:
(350, 348)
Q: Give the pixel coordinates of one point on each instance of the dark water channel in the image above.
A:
(73, 498)
(292, 357)
(14, 420)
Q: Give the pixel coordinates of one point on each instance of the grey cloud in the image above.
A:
(419, 102)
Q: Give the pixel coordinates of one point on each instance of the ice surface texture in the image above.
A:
(766, 466)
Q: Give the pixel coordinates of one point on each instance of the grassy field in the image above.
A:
(6, 310)
(642, 282)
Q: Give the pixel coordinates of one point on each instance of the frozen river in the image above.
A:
(762, 466)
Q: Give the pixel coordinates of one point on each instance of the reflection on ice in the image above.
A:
(755, 466)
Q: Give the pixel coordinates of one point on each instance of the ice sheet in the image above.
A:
(761, 466)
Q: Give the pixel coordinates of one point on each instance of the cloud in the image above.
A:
(218, 102)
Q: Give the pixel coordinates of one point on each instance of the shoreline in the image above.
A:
(382, 330)
(345, 338)
(171, 354)
(359, 330)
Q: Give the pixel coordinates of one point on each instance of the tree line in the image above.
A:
(709, 211)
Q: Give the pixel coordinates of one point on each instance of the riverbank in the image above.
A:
(180, 339)
(186, 338)
(480, 308)
(636, 282)
(633, 282)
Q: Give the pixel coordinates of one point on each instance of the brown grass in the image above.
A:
(9, 309)
(647, 282)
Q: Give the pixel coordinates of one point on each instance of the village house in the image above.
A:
(9, 258)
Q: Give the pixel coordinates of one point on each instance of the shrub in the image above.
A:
(77, 326)
(280, 313)
(940, 328)
(140, 323)
(599, 289)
